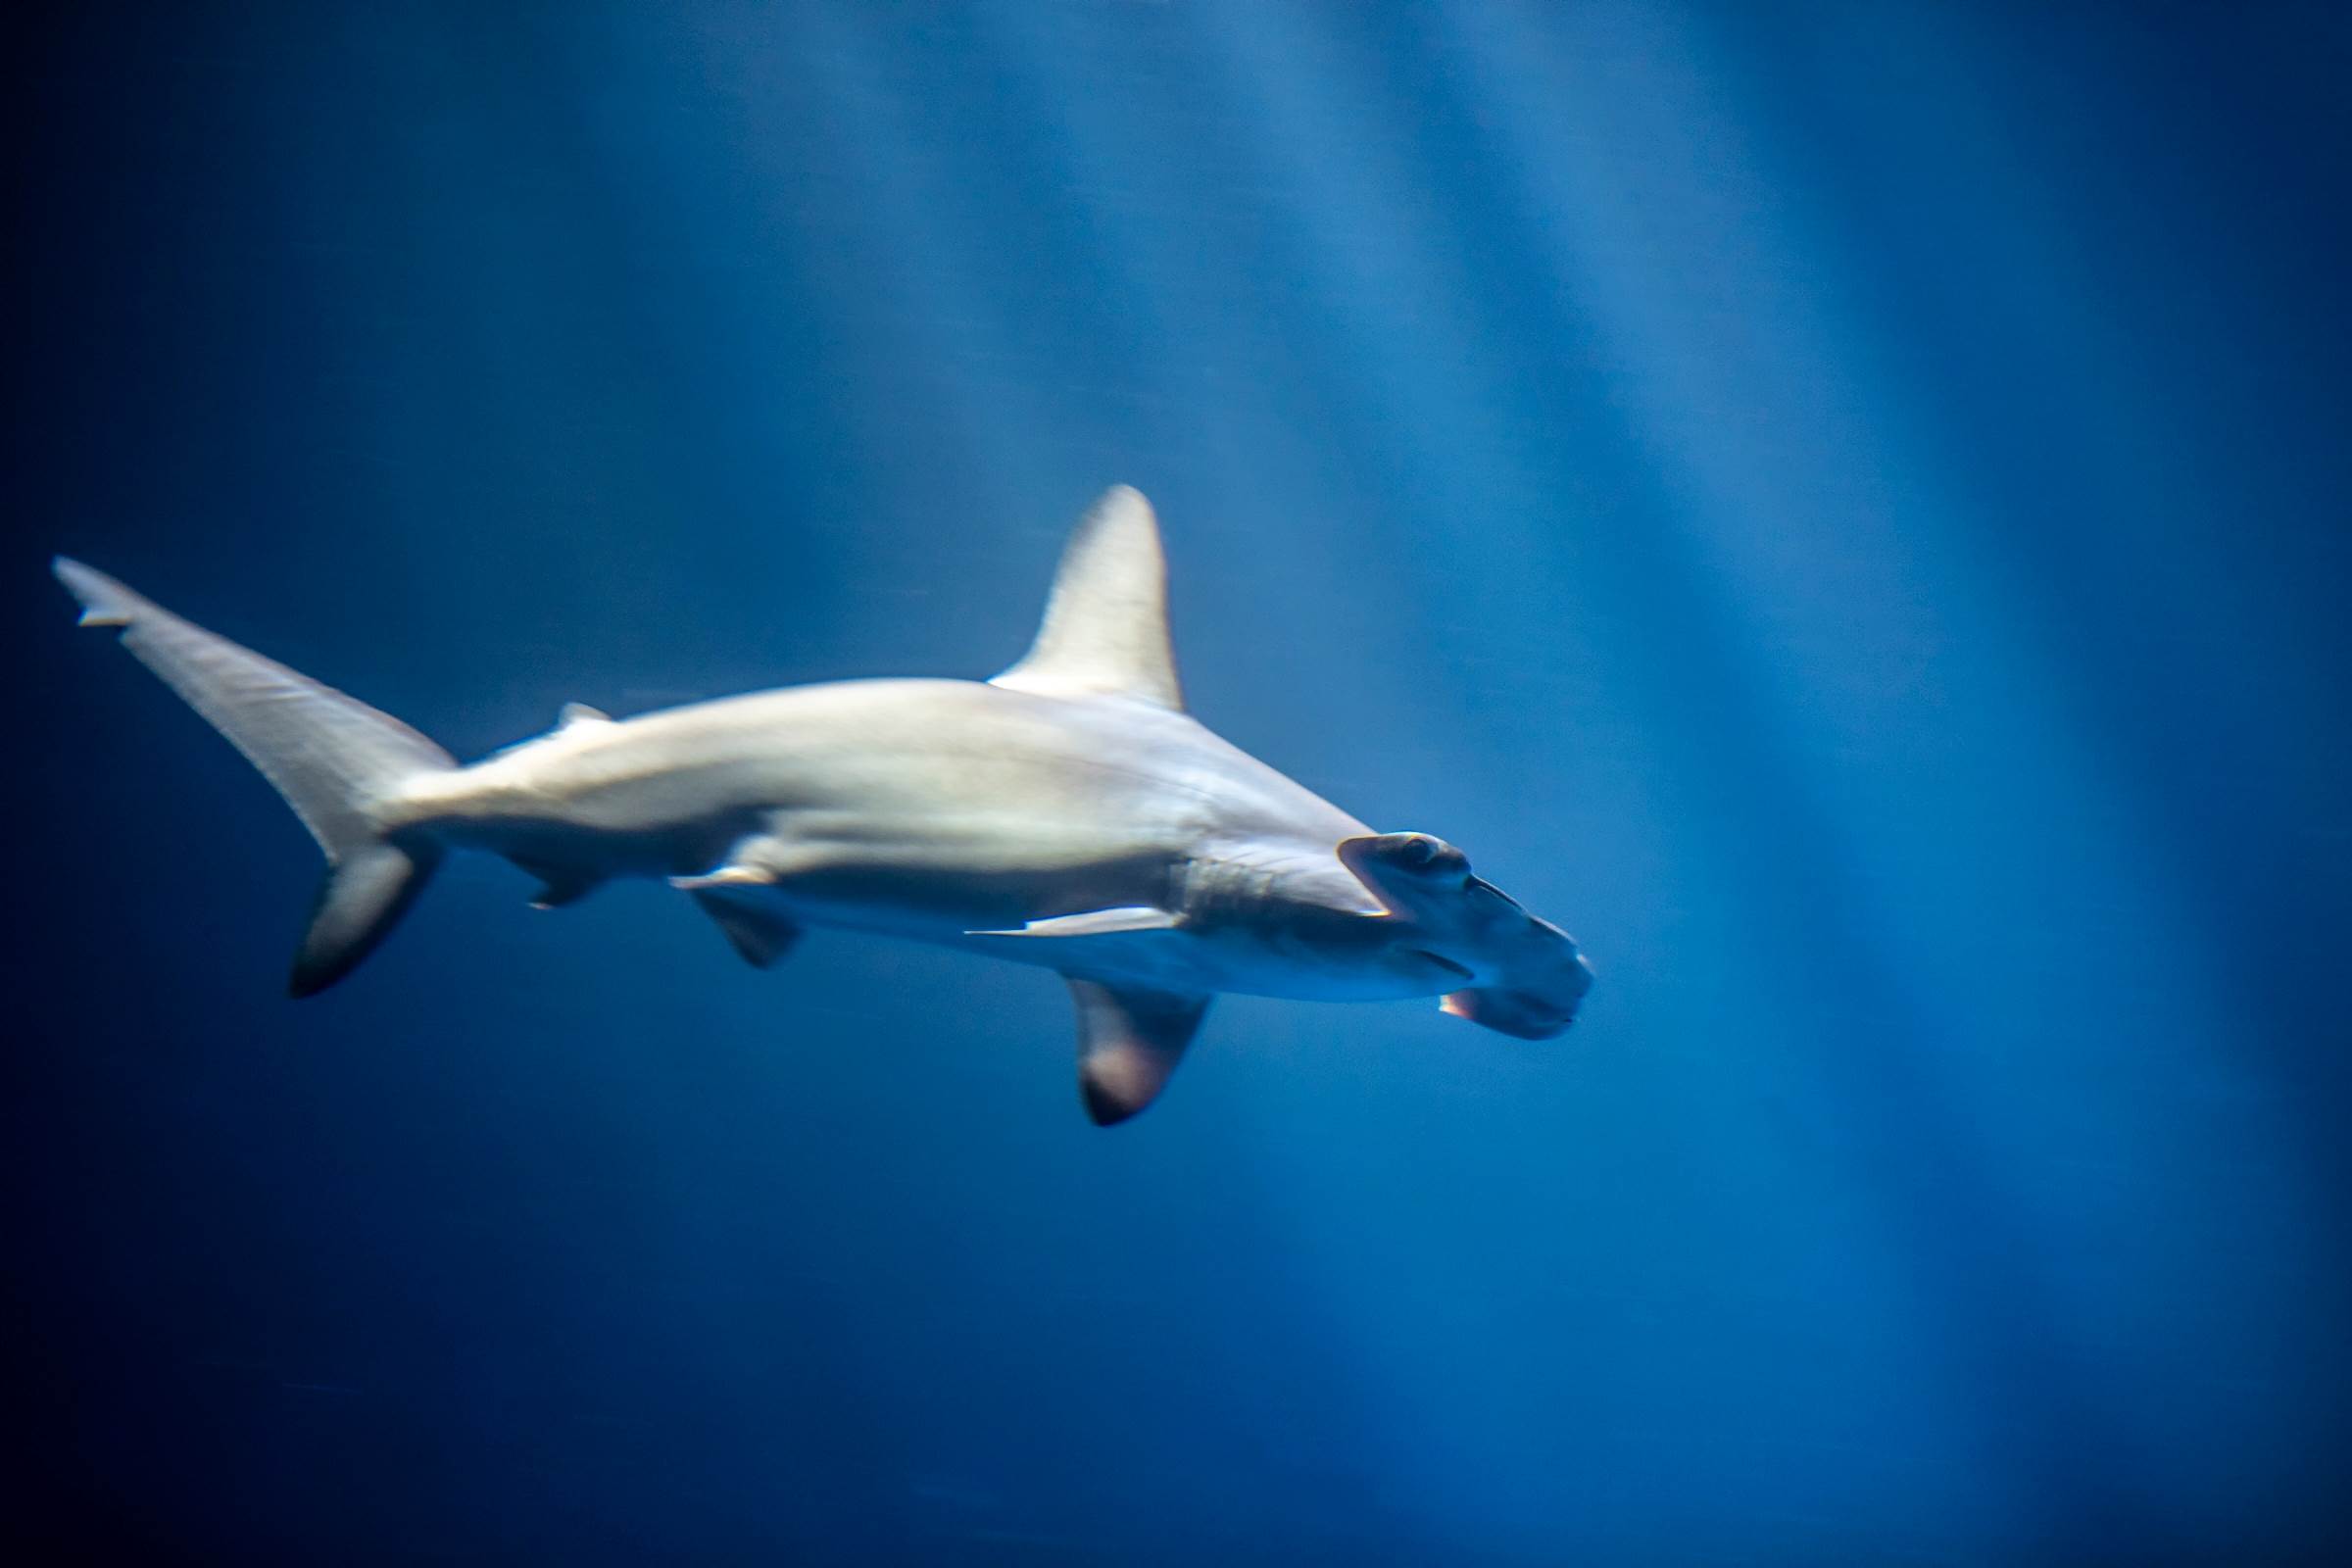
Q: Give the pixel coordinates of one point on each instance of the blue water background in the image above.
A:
(1842, 508)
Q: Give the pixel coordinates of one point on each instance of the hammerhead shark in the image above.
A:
(1067, 814)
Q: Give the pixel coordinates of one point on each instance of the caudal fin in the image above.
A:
(334, 759)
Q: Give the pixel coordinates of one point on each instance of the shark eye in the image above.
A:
(1425, 854)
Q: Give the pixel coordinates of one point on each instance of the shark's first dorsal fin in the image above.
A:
(1106, 631)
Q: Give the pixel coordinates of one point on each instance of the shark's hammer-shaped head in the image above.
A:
(1521, 975)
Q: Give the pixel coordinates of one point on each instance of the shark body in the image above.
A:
(1068, 814)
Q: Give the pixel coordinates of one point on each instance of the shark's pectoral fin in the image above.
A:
(1092, 923)
(740, 900)
(1130, 1038)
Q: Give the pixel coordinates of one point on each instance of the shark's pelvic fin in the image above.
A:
(739, 877)
(759, 934)
(741, 900)
(1106, 631)
(1130, 1039)
(337, 761)
(559, 884)
(1092, 923)
(580, 713)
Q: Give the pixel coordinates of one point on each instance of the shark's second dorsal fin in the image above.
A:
(1106, 631)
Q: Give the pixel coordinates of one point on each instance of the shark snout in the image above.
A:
(1525, 1012)
(1511, 972)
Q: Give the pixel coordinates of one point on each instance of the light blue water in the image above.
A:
(1844, 513)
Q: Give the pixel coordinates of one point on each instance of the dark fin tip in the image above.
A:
(1106, 1108)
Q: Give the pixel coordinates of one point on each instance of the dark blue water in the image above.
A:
(1846, 512)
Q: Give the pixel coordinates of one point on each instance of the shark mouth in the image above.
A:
(1444, 964)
